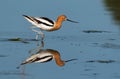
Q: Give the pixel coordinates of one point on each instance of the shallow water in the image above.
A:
(94, 41)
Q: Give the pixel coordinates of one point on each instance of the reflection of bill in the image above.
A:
(45, 55)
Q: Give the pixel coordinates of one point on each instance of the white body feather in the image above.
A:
(40, 55)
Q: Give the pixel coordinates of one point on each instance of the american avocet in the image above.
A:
(46, 24)
(45, 56)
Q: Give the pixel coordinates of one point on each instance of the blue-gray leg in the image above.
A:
(38, 33)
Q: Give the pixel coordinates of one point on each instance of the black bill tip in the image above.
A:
(70, 60)
(72, 21)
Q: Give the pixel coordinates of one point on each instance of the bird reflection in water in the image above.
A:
(45, 55)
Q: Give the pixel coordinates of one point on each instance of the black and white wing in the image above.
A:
(41, 22)
(39, 57)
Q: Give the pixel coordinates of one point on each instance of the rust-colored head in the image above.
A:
(62, 18)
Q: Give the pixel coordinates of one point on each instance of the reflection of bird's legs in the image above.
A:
(33, 51)
(42, 44)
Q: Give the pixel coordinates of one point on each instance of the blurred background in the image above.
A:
(94, 41)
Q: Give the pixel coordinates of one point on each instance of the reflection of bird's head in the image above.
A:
(57, 57)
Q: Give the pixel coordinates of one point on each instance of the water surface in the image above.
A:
(94, 41)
